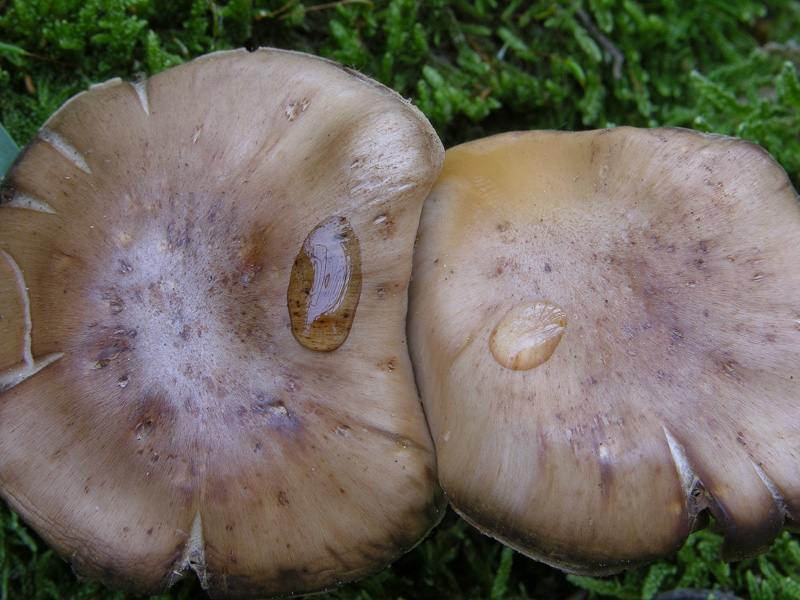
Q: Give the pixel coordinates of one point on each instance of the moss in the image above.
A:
(475, 68)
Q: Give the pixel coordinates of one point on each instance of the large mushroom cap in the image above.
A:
(203, 284)
(605, 328)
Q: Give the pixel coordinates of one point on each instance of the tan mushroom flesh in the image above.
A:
(605, 328)
(203, 282)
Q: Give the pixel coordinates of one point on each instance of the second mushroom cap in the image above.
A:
(605, 328)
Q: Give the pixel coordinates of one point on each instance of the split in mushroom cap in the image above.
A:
(152, 247)
(605, 328)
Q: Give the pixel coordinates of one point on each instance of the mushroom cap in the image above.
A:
(168, 240)
(605, 329)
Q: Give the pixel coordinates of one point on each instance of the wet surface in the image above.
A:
(325, 286)
(528, 335)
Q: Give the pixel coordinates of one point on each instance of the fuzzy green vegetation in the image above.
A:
(697, 566)
(475, 67)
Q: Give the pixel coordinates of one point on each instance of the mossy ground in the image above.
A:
(475, 67)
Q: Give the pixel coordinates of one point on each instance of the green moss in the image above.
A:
(697, 566)
(475, 67)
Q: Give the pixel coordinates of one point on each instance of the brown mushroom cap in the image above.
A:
(605, 328)
(157, 249)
